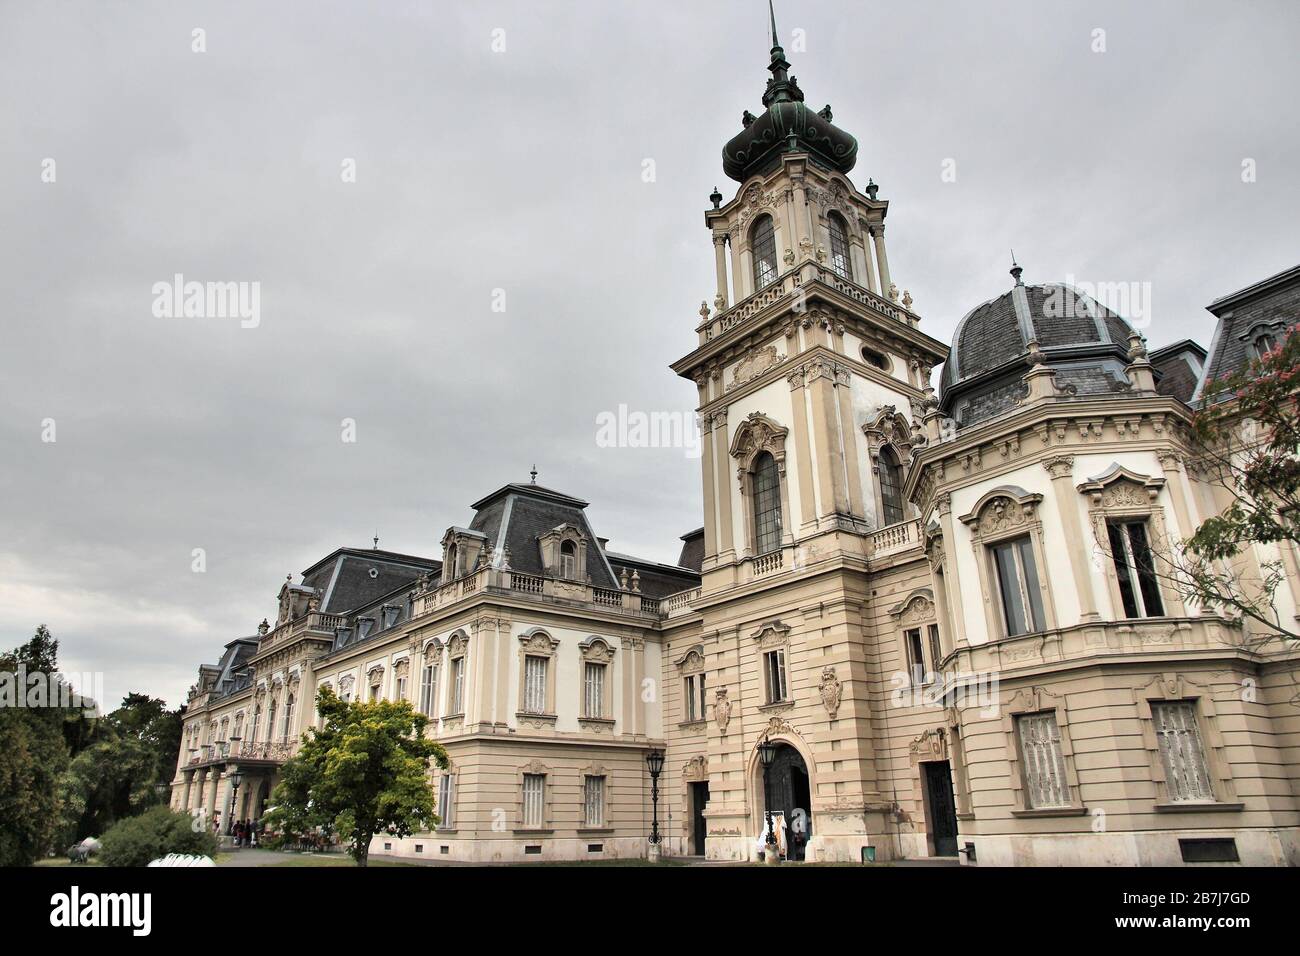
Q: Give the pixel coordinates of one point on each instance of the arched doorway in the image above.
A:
(790, 789)
(263, 797)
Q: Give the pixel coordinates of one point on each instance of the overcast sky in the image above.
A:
(519, 170)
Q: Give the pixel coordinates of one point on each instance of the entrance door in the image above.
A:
(792, 798)
(943, 814)
(699, 798)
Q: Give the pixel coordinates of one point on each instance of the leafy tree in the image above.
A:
(33, 752)
(366, 771)
(133, 749)
(1247, 435)
(136, 841)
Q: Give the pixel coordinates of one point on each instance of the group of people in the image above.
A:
(246, 833)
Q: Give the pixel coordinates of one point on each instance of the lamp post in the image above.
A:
(655, 762)
(236, 779)
(162, 789)
(766, 754)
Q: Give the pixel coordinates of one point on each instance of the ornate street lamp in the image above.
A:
(766, 754)
(162, 789)
(655, 762)
(236, 779)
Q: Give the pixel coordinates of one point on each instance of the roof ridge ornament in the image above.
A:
(1015, 269)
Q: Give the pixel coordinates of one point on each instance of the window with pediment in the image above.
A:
(762, 244)
(597, 659)
(1007, 535)
(538, 654)
(692, 667)
(759, 450)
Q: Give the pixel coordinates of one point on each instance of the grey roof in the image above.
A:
(656, 580)
(1272, 303)
(345, 582)
(1085, 341)
(692, 555)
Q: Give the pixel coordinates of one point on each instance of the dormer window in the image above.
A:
(840, 263)
(564, 552)
(763, 247)
(449, 564)
(569, 560)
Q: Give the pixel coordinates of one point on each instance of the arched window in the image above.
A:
(840, 263)
(288, 717)
(1264, 343)
(569, 561)
(767, 504)
(763, 244)
(257, 716)
(449, 570)
(891, 486)
(270, 724)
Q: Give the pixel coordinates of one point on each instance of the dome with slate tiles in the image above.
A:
(1085, 342)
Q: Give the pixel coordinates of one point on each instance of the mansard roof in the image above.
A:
(1270, 304)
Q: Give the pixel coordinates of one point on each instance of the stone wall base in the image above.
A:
(1256, 846)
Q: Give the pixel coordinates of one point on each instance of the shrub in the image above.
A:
(136, 841)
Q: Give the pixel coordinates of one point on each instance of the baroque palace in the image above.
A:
(941, 608)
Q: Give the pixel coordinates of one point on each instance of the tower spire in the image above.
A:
(776, 44)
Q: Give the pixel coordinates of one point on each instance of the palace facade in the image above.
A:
(943, 607)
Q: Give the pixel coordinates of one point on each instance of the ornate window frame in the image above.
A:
(535, 767)
(774, 636)
(457, 650)
(551, 544)
(917, 611)
(1001, 514)
(595, 769)
(536, 642)
(888, 427)
(402, 678)
(1180, 688)
(758, 434)
(1026, 702)
(596, 650)
(690, 667)
(431, 656)
(375, 682)
(1276, 328)
(1120, 493)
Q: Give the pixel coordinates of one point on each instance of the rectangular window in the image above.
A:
(1017, 574)
(1187, 775)
(535, 684)
(447, 802)
(458, 685)
(401, 688)
(429, 690)
(593, 690)
(594, 801)
(774, 675)
(690, 699)
(915, 656)
(534, 800)
(1044, 764)
(936, 651)
(1135, 569)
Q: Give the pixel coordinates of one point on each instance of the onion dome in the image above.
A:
(1053, 324)
(787, 126)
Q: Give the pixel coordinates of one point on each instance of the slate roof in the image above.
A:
(1178, 367)
(692, 555)
(345, 582)
(1273, 303)
(657, 580)
(1085, 341)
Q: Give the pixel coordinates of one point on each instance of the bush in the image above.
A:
(136, 841)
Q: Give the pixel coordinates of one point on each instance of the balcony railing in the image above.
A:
(894, 538)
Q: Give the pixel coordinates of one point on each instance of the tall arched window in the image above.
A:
(767, 504)
(288, 717)
(257, 716)
(763, 244)
(569, 561)
(270, 723)
(891, 486)
(840, 263)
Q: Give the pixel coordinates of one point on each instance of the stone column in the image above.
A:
(215, 782)
(722, 462)
(709, 478)
(800, 218)
(739, 288)
(803, 452)
(1061, 470)
(720, 263)
(868, 272)
(878, 233)
(951, 574)
(842, 389)
(188, 776)
(830, 452)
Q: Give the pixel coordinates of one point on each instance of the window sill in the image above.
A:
(592, 831)
(603, 721)
(777, 705)
(692, 724)
(1190, 807)
(533, 831)
(1051, 812)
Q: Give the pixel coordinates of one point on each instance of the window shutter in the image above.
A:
(1187, 774)
(1044, 764)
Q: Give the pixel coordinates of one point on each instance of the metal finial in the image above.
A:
(533, 475)
(772, 14)
(376, 540)
(1015, 269)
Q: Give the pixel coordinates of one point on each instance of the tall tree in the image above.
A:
(33, 751)
(365, 771)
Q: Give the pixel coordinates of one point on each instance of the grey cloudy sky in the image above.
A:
(519, 170)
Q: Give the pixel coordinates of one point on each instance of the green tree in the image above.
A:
(1247, 435)
(33, 752)
(365, 771)
(136, 841)
(131, 751)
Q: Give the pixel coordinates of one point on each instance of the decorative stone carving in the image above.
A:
(932, 744)
(697, 768)
(755, 364)
(831, 690)
(722, 710)
(771, 634)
